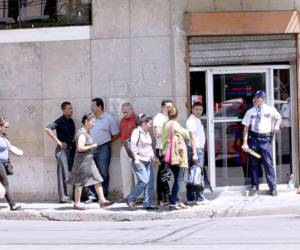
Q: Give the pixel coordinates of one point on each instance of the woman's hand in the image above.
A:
(137, 162)
(156, 161)
(93, 146)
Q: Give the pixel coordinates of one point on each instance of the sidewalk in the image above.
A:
(225, 204)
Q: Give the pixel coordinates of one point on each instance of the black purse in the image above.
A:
(9, 168)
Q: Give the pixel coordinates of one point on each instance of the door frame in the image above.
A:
(268, 70)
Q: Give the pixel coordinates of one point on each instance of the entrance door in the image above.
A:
(227, 93)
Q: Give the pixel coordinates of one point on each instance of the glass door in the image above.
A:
(230, 95)
(226, 94)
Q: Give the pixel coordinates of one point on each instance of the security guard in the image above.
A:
(263, 120)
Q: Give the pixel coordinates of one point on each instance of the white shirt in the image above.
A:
(194, 124)
(261, 118)
(285, 111)
(159, 121)
(141, 144)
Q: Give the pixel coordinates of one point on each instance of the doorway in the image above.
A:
(226, 94)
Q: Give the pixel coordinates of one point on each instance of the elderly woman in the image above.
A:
(142, 164)
(175, 155)
(5, 147)
(84, 171)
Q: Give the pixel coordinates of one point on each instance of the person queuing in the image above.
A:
(127, 125)
(84, 171)
(258, 132)
(5, 148)
(141, 147)
(197, 142)
(64, 152)
(105, 131)
(163, 174)
(175, 155)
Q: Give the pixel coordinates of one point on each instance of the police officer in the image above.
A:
(263, 120)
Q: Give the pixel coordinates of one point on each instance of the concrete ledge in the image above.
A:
(223, 206)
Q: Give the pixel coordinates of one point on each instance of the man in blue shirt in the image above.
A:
(105, 131)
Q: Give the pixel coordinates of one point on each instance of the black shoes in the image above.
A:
(15, 207)
(253, 191)
(151, 208)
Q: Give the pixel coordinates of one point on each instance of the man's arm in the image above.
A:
(278, 121)
(245, 146)
(157, 131)
(114, 137)
(51, 134)
(194, 145)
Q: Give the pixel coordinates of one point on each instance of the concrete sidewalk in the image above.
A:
(223, 204)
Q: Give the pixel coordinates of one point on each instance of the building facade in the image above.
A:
(214, 51)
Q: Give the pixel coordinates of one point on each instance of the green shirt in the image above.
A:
(177, 129)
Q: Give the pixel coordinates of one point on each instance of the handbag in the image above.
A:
(9, 168)
(168, 155)
(127, 146)
(195, 182)
(2, 191)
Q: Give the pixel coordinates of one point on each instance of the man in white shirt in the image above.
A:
(164, 173)
(261, 119)
(197, 142)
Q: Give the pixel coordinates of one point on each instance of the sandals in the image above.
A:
(105, 204)
(183, 206)
(178, 206)
(80, 207)
(174, 207)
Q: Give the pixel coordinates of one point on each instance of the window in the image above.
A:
(44, 13)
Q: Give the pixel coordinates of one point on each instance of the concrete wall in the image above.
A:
(136, 53)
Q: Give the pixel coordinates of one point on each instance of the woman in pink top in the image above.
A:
(141, 147)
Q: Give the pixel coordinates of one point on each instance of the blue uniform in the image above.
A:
(261, 121)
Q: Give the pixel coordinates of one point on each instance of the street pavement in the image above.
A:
(264, 232)
(223, 204)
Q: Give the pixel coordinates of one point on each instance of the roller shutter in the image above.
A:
(230, 50)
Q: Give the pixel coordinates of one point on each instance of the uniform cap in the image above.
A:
(260, 94)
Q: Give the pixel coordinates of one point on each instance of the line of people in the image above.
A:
(83, 158)
(92, 149)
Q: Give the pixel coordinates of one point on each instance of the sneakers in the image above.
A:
(15, 207)
(203, 202)
(253, 191)
(130, 204)
(273, 193)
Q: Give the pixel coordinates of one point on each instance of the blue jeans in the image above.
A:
(102, 156)
(196, 196)
(178, 174)
(144, 174)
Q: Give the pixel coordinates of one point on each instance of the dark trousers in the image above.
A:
(4, 182)
(263, 146)
(63, 157)
(102, 156)
(163, 179)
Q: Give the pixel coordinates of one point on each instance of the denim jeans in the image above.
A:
(196, 196)
(144, 174)
(178, 174)
(102, 156)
